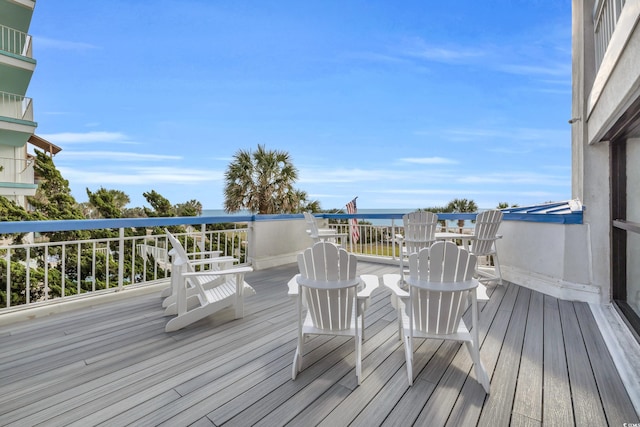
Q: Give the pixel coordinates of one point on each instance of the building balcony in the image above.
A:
(16, 119)
(92, 349)
(615, 88)
(17, 13)
(16, 60)
(16, 107)
(16, 176)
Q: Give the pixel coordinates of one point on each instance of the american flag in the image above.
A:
(355, 231)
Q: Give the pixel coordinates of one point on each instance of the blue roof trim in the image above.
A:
(566, 212)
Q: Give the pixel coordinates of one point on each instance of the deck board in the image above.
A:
(113, 364)
(615, 400)
(527, 403)
(497, 410)
(557, 408)
(586, 401)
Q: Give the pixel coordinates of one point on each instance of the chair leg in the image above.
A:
(358, 340)
(481, 373)
(496, 263)
(297, 360)
(408, 355)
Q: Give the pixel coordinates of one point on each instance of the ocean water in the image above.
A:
(376, 222)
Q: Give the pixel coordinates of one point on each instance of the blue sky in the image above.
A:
(405, 104)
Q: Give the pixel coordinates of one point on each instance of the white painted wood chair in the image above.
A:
(483, 244)
(441, 286)
(320, 234)
(202, 260)
(200, 294)
(334, 297)
(419, 233)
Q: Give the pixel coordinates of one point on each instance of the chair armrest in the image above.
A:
(204, 253)
(370, 283)
(391, 281)
(293, 286)
(219, 260)
(238, 270)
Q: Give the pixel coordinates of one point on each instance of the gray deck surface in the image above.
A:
(113, 364)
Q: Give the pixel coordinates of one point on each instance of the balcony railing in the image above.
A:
(133, 252)
(16, 106)
(14, 41)
(605, 17)
(49, 268)
(16, 170)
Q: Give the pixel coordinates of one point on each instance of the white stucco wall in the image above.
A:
(277, 242)
(550, 258)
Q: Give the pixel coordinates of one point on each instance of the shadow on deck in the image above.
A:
(113, 364)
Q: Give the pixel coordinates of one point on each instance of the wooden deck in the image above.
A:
(113, 364)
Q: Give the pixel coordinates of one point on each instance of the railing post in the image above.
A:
(8, 264)
(393, 239)
(120, 259)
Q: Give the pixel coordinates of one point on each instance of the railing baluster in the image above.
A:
(27, 280)
(63, 275)
(8, 261)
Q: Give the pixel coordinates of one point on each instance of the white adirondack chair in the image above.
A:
(320, 234)
(483, 245)
(419, 233)
(199, 294)
(203, 260)
(441, 284)
(333, 295)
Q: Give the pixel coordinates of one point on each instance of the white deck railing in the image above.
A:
(605, 17)
(43, 271)
(16, 106)
(14, 41)
(133, 252)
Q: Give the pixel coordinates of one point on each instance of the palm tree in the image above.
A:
(462, 205)
(262, 182)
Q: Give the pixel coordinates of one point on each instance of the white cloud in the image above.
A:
(118, 156)
(140, 176)
(556, 70)
(86, 137)
(308, 176)
(45, 42)
(440, 54)
(429, 160)
(516, 178)
(510, 134)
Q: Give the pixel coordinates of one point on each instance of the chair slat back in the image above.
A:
(312, 224)
(419, 230)
(180, 252)
(486, 229)
(439, 312)
(330, 306)
(182, 259)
